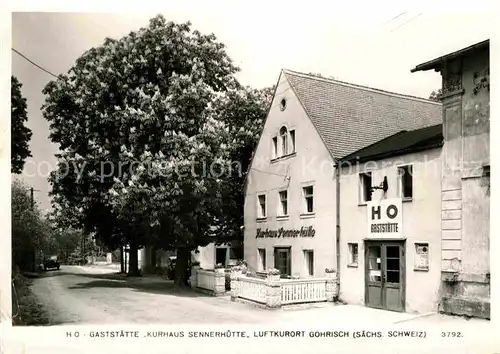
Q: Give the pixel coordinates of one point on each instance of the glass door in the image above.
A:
(384, 275)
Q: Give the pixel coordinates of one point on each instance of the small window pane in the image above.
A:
(374, 251)
(392, 277)
(392, 251)
(393, 264)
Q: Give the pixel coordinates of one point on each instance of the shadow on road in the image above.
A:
(46, 274)
(142, 284)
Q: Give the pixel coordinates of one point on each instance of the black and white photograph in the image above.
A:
(270, 164)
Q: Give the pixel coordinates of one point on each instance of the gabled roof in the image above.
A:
(436, 63)
(404, 142)
(349, 117)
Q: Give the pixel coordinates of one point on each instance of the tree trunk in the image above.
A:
(153, 257)
(181, 267)
(133, 261)
(122, 260)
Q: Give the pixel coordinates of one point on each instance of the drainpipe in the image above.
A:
(337, 220)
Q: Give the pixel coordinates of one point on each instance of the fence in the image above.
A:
(270, 291)
(253, 289)
(303, 291)
(274, 292)
(212, 281)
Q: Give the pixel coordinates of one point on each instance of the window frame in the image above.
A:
(362, 189)
(262, 258)
(289, 260)
(304, 200)
(308, 259)
(283, 141)
(259, 206)
(274, 142)
(400, 181)
(291, 133)
(280, 204)
(350, 247)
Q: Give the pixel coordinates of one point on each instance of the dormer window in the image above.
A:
(284, 141)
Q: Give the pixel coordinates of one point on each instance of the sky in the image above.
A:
(376, 47)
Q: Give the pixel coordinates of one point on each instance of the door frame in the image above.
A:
(402, 274)
(289, 265)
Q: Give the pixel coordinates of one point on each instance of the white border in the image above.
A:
(53, 339)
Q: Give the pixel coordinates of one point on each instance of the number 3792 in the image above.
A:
(451, 334)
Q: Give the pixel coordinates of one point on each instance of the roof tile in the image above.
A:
(349, 117)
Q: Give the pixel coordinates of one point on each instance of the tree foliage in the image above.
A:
(244, 111)
(30, 230)
(137, 129)
(20, 134)
(436, 95)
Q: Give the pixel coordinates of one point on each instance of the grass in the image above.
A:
(30, 312)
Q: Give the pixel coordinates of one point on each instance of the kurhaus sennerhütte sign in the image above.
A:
(303, 232)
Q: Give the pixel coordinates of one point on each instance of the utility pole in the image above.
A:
(35, 251)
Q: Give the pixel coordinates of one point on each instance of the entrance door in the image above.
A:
(283, 260)
(385, 275)
(220, 256)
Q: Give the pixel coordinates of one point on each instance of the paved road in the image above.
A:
(76, 294)
(97, 295)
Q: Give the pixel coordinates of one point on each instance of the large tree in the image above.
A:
(244, 111)
(20, 134)
(134, 121)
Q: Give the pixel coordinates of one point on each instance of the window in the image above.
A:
(308, 199)
(365, 184)
(262, 211)
(405, 185)
(309, 258)
(283, 260)
(275, 147)
(353, 254)
(292, 141)
(283, 203)
(283, 104)
(284, 141)
(262, 258)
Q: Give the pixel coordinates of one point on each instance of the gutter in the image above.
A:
(337, 221)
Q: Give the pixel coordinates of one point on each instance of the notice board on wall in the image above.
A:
(421, 256)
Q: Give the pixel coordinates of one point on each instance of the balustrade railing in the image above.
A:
(303, 291)
(206, 279)
(253, 289)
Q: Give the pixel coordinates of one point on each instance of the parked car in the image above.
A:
(51, 263)
(171, 267)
